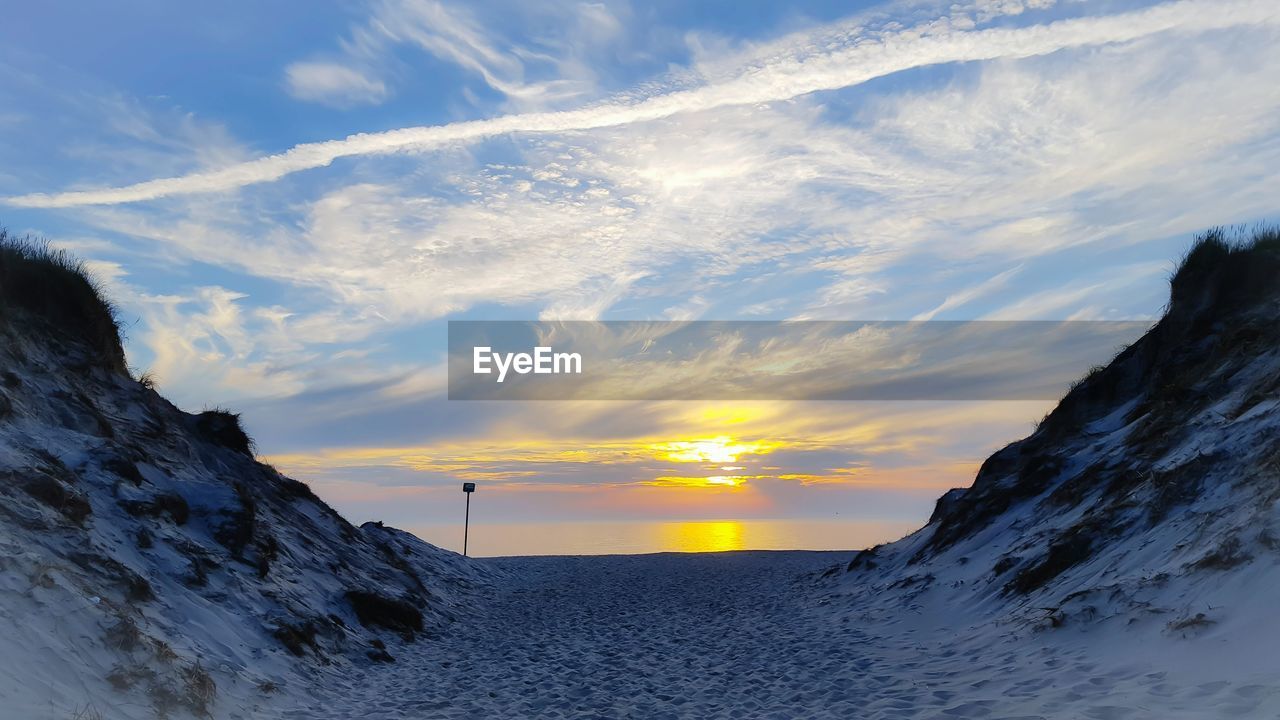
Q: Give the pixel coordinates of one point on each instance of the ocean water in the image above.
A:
(609, 538)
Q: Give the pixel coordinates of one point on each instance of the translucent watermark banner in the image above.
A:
(787, 360)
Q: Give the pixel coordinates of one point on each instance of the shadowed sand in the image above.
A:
(733, 635)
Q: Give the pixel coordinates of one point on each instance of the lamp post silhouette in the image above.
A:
(467, 488)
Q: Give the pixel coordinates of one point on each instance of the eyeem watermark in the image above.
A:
(788, 360)
(542, 361)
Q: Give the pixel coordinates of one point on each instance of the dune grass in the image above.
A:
(1227, 267)
(54, 286)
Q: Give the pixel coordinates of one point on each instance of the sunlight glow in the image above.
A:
(715, 536)
(720, 450)
(720, 481)
(721, 415)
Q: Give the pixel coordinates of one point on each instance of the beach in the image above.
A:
(747, 634)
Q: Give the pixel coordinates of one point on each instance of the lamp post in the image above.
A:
(467, 488)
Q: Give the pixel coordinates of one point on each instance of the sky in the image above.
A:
(289, 201)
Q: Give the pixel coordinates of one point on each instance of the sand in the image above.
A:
(743, 635)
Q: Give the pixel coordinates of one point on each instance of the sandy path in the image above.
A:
(732, 635)
(621, 636)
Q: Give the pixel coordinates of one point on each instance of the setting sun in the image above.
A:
(721, 449)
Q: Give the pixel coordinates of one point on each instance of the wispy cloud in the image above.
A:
(1051, 178)
(969, 294)
(1078, 297)
(333, 84)
(861, 58)
(1011, 163)
(453, 34)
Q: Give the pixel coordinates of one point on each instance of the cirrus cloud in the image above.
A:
(860, 58)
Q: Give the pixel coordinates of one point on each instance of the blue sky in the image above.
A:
(290, 200)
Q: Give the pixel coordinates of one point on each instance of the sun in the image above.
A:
(719, 450)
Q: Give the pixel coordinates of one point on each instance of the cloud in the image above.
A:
(207, 338)
(808, 70)
(456, 36)
(822, 440)
(452, 34)
(333, 84)
(1012, 162)
(969, 294)
(314, 304)
(1077, 298)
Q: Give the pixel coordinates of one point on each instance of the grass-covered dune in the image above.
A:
(51, 289)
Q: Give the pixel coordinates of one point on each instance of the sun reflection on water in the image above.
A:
(701, 536)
